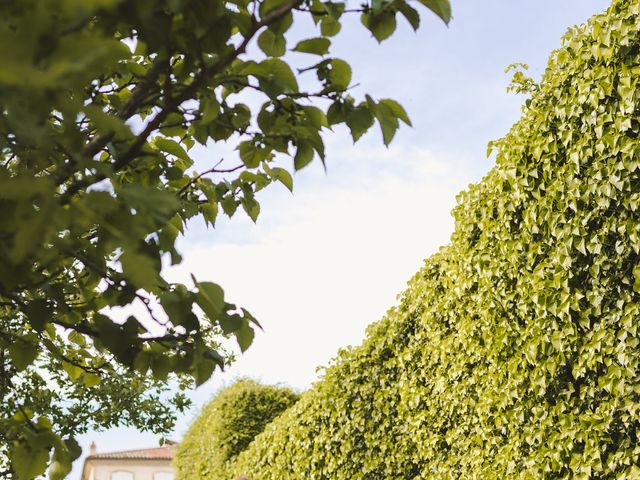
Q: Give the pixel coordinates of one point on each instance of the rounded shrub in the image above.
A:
(515, 351)
(226, 426)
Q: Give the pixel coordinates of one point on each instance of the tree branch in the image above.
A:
(170, 104)
(206, 172)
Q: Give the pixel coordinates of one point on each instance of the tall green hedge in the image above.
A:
(226, 426)
(514, 353)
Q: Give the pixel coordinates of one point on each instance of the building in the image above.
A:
(143, 464)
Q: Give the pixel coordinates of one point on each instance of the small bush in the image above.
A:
(226, 426)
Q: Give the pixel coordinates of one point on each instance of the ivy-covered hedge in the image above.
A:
(514, 353)
(226, 426)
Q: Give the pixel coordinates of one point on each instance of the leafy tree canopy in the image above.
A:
(101, 102)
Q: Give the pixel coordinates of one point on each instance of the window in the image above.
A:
(163, 476)
(122, 476)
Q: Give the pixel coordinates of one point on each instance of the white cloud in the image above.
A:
(332, 260)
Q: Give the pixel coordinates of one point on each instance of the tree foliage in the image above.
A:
(514, 352)
(101, 105)
(226, 426)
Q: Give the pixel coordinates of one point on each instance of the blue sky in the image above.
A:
(322, 264)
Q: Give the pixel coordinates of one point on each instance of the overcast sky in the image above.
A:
(322, 264)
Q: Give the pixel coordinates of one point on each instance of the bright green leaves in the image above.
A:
(335, 74)
(272, 44)
(636, 278)
(172, 147)
(315, 46)
(252, 155)
(275, 76)
(29, 462)
(382, 25)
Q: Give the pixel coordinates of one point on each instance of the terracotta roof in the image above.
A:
(160, 453)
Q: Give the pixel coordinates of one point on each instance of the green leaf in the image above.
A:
(29, 462)
(410, 14)
(39, 313)
(203, 370)
(160, 367)
(230, 323)
(337, 113)
(442, 8)
(210, 110)
(316, 117)
(105, 122)
(244, 336)
(210, 298)
(270, 5)
(359, 120)
(229, 205)
(23, 353)
(272, 44)
(397, 110)
(210, 212)
(145, 199)
(72, 370)
(340, 74)
(251, 207)
(142, 362)
(636, 276)
(141, 269)
(249, 154)
(73, 448)
(382, 25)
(91, 379)
(304, 155)
(283, 176)
(172, 147)
(276, 77)
(314, 46)
(329, 26)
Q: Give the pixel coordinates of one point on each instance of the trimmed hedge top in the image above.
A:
(226, 426)
(514, 352)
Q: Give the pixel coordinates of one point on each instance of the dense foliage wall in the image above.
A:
(514, 352)
(226, 425)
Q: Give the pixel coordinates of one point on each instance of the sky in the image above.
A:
(326, 261)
